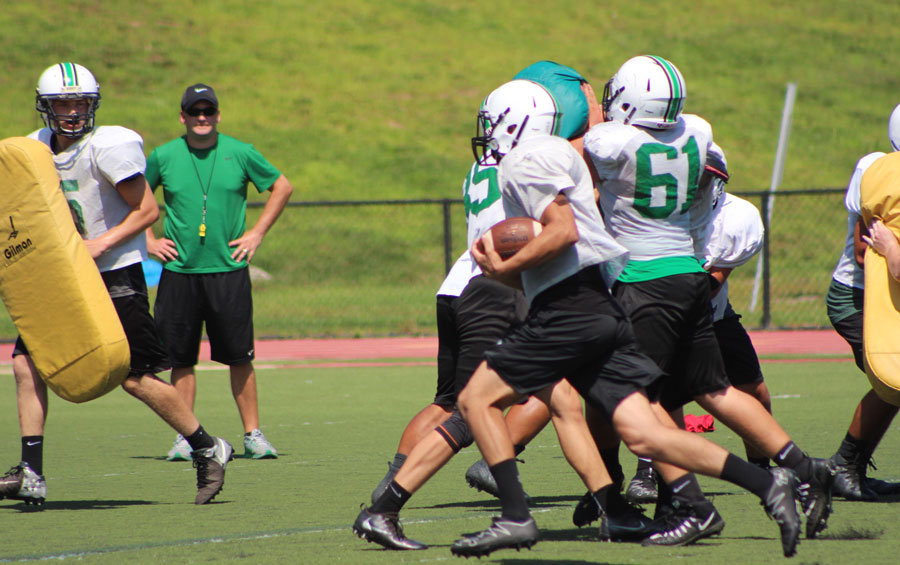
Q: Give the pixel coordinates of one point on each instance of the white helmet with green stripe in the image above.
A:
(67, 81)
(646, 91)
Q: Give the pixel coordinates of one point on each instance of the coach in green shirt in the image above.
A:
(206, 249)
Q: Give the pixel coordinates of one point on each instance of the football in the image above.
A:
(511, 235)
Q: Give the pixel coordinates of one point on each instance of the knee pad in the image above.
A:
(455, 432)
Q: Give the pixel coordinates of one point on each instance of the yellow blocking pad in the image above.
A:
(880, 198)
(49, 282)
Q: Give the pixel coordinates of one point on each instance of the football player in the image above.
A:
(575, 329)
(102, 176)
(649, 158)
(873, 416)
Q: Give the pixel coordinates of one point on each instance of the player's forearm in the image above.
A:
(281, 194)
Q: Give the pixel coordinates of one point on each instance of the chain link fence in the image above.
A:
(371, 268)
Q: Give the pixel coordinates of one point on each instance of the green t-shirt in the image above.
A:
(221, 173)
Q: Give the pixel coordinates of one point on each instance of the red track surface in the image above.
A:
(767, 343)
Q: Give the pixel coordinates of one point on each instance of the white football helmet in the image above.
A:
(646, 91)
(894, 128)
(67, 80)
(514, 112)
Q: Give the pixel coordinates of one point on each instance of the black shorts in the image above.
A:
(128, 291)
(741, 362)
(467, 325)
(845, 311)
(851, 329)
(672, 320)
(576, 330)
(223, 301)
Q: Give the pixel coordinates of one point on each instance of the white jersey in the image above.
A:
(89, 171)
(735, 236)
(847, 272)
(531, 177)
(648, 184)
(484, 208)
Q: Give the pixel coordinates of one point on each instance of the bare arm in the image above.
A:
(720, 274)
(859, 246)
(883, 240)
(558, 234)
(144, 211)
(281, 191)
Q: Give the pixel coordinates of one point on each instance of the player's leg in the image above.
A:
(179, 322)
(25, 481)
(871, 419)
(743, 369)
(643, 431)
(481, 404)
(445, 396)
(148, 357)
(228, 312)
(524, 420)
(379, 523)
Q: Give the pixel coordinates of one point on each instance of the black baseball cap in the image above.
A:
(197, 92)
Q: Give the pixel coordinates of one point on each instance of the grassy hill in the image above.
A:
(376, 100)
(356, 99)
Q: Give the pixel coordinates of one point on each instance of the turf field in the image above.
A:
(113, 498)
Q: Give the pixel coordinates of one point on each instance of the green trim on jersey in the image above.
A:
(639, 271)
(225, 169)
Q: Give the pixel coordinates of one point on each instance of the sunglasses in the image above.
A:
(207, 111)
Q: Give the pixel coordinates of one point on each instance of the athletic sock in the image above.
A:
(610, 456)
(686, 492)
(746, 475)
(850, 449)
(643, 464)
(392, 500)
(33, 453)
(398, 461)
(761, 462)
(790, 456)
(200, 439)
(511, 493)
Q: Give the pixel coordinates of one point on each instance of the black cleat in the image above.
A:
(22, 483)
(210, 464)
(781, 505)
(683, 527)
(503, 533)
(383, 529)
(882, 488)
(850, 480)
(625, 522)
(642, 487)
(815, 496)
(586, 511)
(479, 477)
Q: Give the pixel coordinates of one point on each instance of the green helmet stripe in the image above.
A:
(69, 76)
(676, 88)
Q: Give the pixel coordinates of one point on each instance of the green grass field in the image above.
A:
(114, 499)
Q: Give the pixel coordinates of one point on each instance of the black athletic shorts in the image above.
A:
(845, 311)
(741, 362)
(223, 301)
(467, 325)
(576, 330)
(128, 291)
(672, 320)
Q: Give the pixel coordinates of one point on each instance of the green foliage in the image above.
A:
(113, 499)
